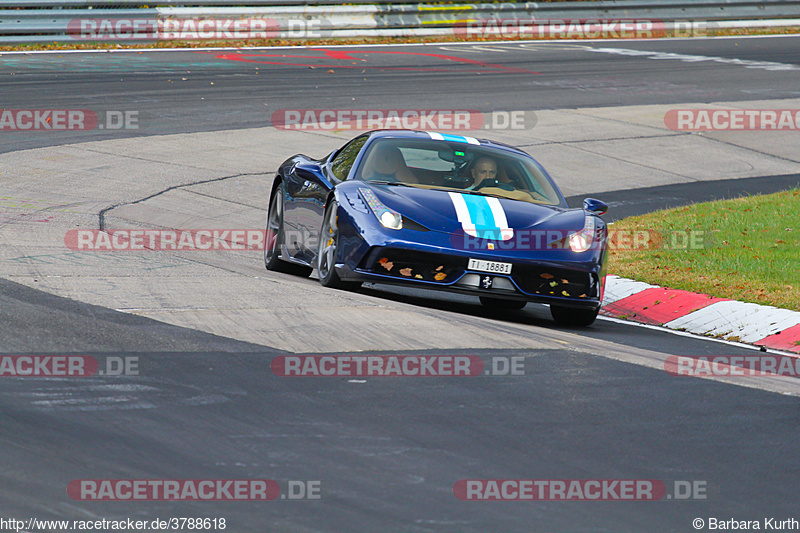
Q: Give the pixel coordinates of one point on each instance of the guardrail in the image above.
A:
(45, 21)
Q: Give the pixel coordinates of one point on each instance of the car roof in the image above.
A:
(435, 135)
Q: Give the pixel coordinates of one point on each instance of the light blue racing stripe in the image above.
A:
(481, 215)
(456, 138)
(453, 138)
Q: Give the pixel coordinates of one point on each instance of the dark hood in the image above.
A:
(435, 210)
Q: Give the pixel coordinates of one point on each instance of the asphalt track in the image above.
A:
(592, 404)
(387, 451)
(191, 91)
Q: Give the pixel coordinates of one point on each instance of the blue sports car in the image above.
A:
(439, 211)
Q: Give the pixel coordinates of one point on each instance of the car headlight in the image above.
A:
(387, 217)
(583, 240)
(578, 242)
(390, 219)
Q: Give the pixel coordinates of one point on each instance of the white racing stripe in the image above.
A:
(448, 137)
(462, 213)
(499, 220)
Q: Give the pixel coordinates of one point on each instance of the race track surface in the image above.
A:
(203, 327)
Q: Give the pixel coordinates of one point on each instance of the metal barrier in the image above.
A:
(45, 21)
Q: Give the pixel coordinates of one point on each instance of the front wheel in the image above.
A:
(327, 251)
(569, 316)
(502, 303)
(274, 239)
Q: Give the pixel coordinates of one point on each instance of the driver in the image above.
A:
(485, 168)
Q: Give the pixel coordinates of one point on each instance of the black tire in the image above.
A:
(569, 316)
(327, 252)
(274, 239)
(502, 303)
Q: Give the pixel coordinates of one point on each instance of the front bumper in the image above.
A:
(569, 284)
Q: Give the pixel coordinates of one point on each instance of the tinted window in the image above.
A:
(344, 160)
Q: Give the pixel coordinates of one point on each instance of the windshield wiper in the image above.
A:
(434, 188)
(479, 193)
(398, 183)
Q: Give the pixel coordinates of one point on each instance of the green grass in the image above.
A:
(746, 249)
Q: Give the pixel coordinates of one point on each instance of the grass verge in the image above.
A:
(747, 249)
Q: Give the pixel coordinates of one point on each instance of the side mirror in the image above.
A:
(595, 206)
(312, 171)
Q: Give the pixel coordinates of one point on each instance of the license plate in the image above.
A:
(495, 267)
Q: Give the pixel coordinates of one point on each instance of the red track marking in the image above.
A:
(338, 54)
(348, 56)
(323, 66)
(437, 56)
(787, 339)
(658, 305)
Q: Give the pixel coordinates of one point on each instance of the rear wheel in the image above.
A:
(274, 240)
(569, 316)
(502, 303)
(327, 251)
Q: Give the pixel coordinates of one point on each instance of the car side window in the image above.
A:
(344, 160)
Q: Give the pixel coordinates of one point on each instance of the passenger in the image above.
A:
(386, 163)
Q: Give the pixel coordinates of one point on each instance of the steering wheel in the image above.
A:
(494, 183)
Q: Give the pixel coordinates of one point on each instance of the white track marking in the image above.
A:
(691, 58)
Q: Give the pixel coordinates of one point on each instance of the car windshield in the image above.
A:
(453, 165)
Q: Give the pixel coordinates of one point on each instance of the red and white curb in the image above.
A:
(702, 314)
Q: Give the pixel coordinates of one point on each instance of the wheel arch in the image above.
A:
(275, 182)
